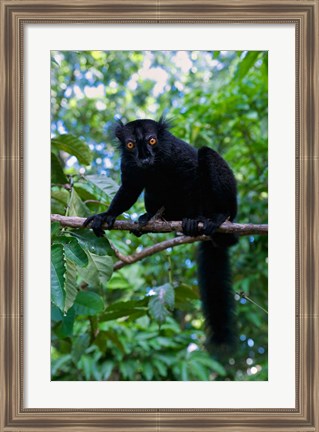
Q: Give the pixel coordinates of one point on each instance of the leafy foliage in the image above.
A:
(72, 145)
(144, 322)
(161, 302)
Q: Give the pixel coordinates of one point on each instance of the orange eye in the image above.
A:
(152, 141)
(130, 145)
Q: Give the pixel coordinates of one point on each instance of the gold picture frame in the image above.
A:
(305, 16)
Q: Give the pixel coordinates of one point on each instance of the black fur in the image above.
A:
(214, 277)
(193, 186)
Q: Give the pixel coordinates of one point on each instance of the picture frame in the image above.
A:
(14, 16)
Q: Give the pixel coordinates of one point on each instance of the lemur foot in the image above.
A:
(142, 221)
(209, 227)
(97, 221)
(190, 227)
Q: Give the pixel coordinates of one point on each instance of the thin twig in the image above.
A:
(243, 295)
(126, 259)
(158, 247)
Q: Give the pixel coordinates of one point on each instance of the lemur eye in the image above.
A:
(152, 141)
(130, 145)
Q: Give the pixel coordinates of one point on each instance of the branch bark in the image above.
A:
(164, 226)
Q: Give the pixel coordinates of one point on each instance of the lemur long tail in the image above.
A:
(214, 275)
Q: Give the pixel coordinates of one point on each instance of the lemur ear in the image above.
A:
(118, 129)
(164, 123)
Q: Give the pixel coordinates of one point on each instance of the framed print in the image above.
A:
(55, 45)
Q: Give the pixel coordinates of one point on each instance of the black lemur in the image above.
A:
(192, 186)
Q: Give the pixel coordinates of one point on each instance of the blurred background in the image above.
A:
(111, 325)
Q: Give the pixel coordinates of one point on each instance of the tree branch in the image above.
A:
(158, 247)
(156, 226)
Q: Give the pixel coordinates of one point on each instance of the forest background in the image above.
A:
(144, 321)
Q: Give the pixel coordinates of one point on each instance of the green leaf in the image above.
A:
(88, 303)
(98, 271)
(103, 266)
(63, 279)
(79, 346)
(125, 309)
(65, 328)
(127, 305)
(209, 362)
(198, 371)
(116, 340)
(160, 366)
(217, 367)
(110, 316)
(161, 302)
(84, 190)
(147, 335)
(55, 230)
(60, 195)
(87, 365)
(59, 201)
(184, 372)
(58, 269)
(74, 146)
(57, 174)
(77, 206)
(95, 245)
(167, 359)
(184, 296)
(100, 341)
(56, 314)
(128, 369)
(107, 368)
(148, 371)
(57, 207)
(73, 251)
(184, 291)
(105, 184)
(145, 346)
(247, 63)
(70, 286)
(118, 281)
(56, 365)
(165, 342)
(137, 314)
(135, 276)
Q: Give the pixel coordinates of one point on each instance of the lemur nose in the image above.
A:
(143, 153)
